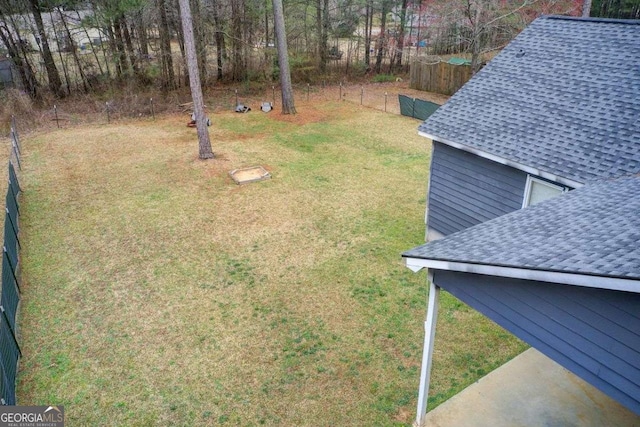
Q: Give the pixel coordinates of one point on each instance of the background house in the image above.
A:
(82, 35)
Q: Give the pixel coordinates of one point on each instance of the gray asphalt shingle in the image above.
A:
(592, 230)
(569, 106)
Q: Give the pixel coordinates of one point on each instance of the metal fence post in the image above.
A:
(55, 112)
(14, 130)
(14, 149)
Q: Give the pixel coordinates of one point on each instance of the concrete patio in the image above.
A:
(531, 390)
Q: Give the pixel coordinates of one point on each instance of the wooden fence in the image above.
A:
(441, 77)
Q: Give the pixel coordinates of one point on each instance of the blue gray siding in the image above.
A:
(466, 189)
(595, 333)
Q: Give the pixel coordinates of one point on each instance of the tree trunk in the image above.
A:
(382, 37)
(141, 31)
(200, 40)
(19, 53)
(205, 151)
(288, 106)
(168, 74)
(219, 40)
(74, 52)
(55, 84)
(476, 28)
(122, 64)
(403, 24)
(586, 8)
(63, 61)
(180, 33)
(238, 68)
(22, 64)
(93, 50)
(322, 37)
(368, 24)
(129, 44)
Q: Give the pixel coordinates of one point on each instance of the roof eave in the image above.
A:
(576, 279)
(525, 168)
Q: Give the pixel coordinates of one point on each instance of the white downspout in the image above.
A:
(427, 351)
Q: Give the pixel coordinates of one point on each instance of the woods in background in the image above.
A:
(65, 46)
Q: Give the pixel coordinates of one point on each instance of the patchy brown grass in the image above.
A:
(156, 291)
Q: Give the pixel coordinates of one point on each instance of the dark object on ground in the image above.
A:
(192, 123)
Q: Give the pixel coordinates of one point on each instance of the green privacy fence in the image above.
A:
(10, 290)
(416, 108)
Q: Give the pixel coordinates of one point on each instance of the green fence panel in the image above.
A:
(423, 109)
(10, 295)
(406, 105)
(9, 354)
(10, 290)
(12, 211)
(416, 108)
(11, 246)
(13, 181)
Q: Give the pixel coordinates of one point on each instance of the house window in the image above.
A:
(538, 190)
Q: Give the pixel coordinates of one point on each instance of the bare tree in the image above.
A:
(238, 59)
(288, 106)
(205, 151)
(72, 48)
(368, 27)
(166, 58)
(401, 31)
(382, 37)
(19, 57)
(322, 22)
(55, 84)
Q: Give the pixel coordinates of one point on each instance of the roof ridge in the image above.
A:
(593, 19)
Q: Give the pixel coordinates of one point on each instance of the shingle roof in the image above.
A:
(594, 230)
(562, 97)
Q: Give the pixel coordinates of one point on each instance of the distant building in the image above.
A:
(8, 75)
(82, 37)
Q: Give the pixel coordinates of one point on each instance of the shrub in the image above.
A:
(383, 78)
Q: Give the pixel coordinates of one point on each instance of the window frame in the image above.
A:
(528, 187)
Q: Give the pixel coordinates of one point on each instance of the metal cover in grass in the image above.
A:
(252, 174)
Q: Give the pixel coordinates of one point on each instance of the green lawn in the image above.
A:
(158, 292)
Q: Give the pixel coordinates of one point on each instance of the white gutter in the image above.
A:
(528, 169)
(590, 281)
